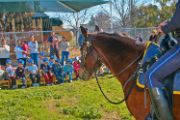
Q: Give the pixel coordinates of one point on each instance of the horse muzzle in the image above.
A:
(83, 74)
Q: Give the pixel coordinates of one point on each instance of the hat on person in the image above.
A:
(69, 61)
(76, 58)
(8, 61)
(52, 57)
(30, 61)
(57, 60)
(20, 61)
(45, 60)
(41, 53)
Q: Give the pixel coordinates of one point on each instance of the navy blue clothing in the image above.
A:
(45, 68)
(20, 72)
(81, 40)
(169, 62)
(174, 23)
(64, 56)
(50, 39)
(57, 70)
(165, 66)
(35, 78)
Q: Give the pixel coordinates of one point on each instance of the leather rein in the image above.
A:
(133, 76)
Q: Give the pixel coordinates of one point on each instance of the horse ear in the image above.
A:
(97, 29)
(84, 31)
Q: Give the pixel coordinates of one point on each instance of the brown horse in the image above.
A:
(117, 52)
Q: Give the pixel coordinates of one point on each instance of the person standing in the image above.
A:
(81, 40)
(56, 46)
(33, 48)
(19, 52)
(4, 52)
(50, 40)
(64, 45)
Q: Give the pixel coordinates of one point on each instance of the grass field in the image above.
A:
(70, 101)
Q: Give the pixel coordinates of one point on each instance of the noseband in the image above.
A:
(85, 51)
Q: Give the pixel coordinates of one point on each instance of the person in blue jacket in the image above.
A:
(68, 70)
(57, 71)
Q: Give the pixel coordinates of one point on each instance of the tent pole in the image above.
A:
(111, 12)
(77, 28)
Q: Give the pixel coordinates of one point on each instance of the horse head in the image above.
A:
(89, 57)
(116, 51)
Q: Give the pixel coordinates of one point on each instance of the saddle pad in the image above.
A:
(151, 51)
(176, 87)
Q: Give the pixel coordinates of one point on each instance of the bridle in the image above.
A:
(99, 63)
(85, 51)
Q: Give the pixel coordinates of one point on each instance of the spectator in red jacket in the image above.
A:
(76, 66)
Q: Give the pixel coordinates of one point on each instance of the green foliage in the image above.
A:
(152, 14)
(70, 101)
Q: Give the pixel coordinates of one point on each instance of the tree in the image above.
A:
(121, 8)
(152, 14)
(75, 19)
(147, 16)
(102, 19)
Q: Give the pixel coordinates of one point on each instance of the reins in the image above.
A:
(134, 75)
(128, 66)
(126, 96)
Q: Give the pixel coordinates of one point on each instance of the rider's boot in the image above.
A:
(160, 104)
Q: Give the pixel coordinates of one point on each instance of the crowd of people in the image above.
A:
(36, 65)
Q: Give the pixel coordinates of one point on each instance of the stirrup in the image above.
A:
(151, 116)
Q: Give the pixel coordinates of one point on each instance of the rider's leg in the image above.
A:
(166, 65)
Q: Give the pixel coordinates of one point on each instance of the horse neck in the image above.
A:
(117, 61)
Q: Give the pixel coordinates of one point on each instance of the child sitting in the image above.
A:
(57, 70)
(20, 73)
(10, 72)
(46, 72)
(76, 66)
(1, 73)
(33, 73)
(68, 70)
(51, 61)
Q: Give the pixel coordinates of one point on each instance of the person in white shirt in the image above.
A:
(33, 48)
(4, 52)
(1, 73)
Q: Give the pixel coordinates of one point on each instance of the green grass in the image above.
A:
(70, 101)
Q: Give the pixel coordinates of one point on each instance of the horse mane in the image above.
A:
(120, 38)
